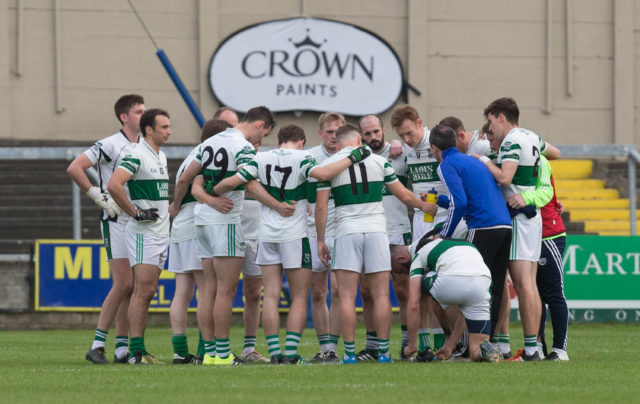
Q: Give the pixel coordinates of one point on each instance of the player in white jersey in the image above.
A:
(283, 242)
(398, 232)
(144, 170)
(183, 260)
(467, 142)
(454, 274)
(517, 171)
(421, 164)
(325, 320)
(106, 155)
(361, 242)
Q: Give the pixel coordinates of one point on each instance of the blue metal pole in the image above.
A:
(164, 59)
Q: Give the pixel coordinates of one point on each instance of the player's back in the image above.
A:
(221, 156)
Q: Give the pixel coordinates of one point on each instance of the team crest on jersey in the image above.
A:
(542, 261)
(248, 149)
(153, 170)
(161, 170)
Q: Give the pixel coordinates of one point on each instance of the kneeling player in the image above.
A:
(454, 274)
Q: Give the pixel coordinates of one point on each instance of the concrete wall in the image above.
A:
(460, 54)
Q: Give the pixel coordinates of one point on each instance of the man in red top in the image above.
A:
(550, 276)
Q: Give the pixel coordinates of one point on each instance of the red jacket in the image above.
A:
(551, 220)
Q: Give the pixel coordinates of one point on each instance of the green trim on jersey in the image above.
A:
(526, 175)
(150, 190)
(297, 194)
(423, 172)
(444, 245)
(210, 174)
(344, 195)
(310, 163)
(188, 198)
(312, 189)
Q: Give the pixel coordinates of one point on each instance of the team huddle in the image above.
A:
(482, 205)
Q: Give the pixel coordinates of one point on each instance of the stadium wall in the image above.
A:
(459, 54)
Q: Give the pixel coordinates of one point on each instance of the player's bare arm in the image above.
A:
(285, 209)
(322, 207)
(408, 198)
(117, 192)
(182, 185)
(502, 175)
(221, 203)
(76, 171)
(551, 152)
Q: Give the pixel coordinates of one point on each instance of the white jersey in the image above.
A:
(357, 192)
(320, 154)
(395, 211)
(183, 227)
(422, 168)
(450, 258)
(524, 147)
(251, 218)
(106, 155)
(478, 146)
(284, 174)
(220, 157)
(148, 188)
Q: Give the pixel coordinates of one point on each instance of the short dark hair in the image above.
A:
(260, 113)
(125, 103)
(346, 129)
(291, 133)
(213, 127)
(506, 106)
(149, 119)
(373, 115)
(485, 128)
(443, 137)
(452, 122)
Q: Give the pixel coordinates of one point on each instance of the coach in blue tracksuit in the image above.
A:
(475, 195)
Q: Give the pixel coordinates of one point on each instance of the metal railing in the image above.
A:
(628, 151)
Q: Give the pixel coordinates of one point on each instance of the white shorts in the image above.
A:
(526, 238)
(146, 249)
(113, 236)
(183, 258)
(249, 267)
(399, 239)
(316, 264)
(420, 227)
(358, 251)
(470, 293)
(291, 254)
(220, 240)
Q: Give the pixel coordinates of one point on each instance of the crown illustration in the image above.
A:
(307, 41)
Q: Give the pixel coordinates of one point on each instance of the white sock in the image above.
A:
(121, 351)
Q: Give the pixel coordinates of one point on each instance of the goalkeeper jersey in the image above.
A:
(357, 193)
(183, 227)
(395, 211)
(106, 155)
(148, 187)
(449, 257)
(284, 174)
(320, 154)
(220, 157)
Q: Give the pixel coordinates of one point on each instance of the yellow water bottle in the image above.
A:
(432, 197)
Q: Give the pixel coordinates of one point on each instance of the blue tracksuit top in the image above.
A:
(474, 193)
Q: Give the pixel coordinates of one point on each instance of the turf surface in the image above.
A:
(49, 366)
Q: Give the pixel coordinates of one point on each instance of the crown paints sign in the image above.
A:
(306, 64)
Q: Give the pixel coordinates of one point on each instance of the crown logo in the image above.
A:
(307, 41)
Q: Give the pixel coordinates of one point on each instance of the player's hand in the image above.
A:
(395, 148)
(309, 212)
(146, 215)
(286, 209)
(174, 209)
(428, 207)
(444, 353)
(359, 153)
(324, 254)
(516, 201)
(560, 208)
(111, 207)
(222, 204)
(410, 350)
(209, 188)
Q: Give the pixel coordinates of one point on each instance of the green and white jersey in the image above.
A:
(449, 257)
(106, 155)
(284, 174)
(251, 213)
(422, 168)
(524, 147)
(320, 154)
(183, 227)
(221, 156)
(148, 188)
(395, 211)
(478, 146)
(357, 193)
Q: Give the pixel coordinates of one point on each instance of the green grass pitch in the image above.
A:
(49, 366)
